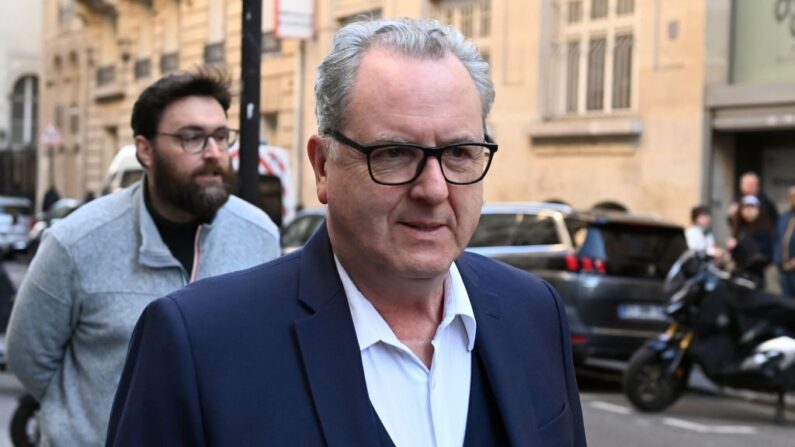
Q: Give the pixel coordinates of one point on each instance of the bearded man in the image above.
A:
(98, 269)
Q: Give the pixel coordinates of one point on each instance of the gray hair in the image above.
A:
(417, 38)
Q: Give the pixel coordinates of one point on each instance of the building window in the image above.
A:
(485, 18)
(74, 119)
(596, 74)
(214, 54)
(593, 50)
(598, 9)
(142, 69)
(169, 62)
(574, 11)
(106, 75)
(271, 45)
(24, 110)
(466, 20)
(622, 71)
(572, 76)
(624, 7)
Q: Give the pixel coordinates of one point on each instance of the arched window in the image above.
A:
(24, 110)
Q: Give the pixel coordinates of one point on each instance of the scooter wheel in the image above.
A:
(647, 385)
(24, 428)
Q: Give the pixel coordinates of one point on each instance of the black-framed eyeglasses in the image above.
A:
(401, 163)
(194, 141)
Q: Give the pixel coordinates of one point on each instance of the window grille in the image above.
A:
(596, 74)
(622, 71)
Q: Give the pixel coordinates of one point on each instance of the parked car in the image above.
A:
(57, 212)
(608, 267)
(300, 229)
(16, 219)
(124, 170)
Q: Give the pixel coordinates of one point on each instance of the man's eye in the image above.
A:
(192, 137)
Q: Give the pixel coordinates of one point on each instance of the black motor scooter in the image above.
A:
(740, 336)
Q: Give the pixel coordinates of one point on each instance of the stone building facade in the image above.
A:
(598, 101)
(20, 52)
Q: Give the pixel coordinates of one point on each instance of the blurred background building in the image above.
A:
(20, 50)
(651, 105)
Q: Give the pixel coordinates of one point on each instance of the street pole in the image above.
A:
(249, 99)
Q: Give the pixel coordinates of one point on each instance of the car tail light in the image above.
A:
(579, 339)
(600, 266)
(585, 264)
(572, 264)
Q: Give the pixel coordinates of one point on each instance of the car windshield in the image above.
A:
(632, 250)
(514, 229)
(300, 230)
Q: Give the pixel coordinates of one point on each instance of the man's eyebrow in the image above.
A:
(391, 138)
(197, 128)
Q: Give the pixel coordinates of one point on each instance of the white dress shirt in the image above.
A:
(418, 406)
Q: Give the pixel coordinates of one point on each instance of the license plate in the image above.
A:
(641, 312)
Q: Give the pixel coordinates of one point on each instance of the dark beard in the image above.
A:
(184, 194)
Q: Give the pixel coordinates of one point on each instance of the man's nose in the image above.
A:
(212, 149)
(431, 185)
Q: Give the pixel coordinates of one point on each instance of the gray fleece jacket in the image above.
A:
(85, 289)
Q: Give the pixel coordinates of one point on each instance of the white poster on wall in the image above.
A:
(295, 19)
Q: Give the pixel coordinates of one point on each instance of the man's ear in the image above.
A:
(143, 152)
(318, 156)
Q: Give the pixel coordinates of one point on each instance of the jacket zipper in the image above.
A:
(196, 254)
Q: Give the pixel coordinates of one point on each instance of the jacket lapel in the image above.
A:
(495, 342)
(330, 351)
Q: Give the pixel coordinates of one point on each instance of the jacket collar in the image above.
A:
(330, 351)
(152, 252)
(497, 344)
(329, 348)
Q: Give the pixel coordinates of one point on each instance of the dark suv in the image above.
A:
(607, 266)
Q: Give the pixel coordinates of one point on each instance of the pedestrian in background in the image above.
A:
(381, 330)
(751, 244)
(699, 234)
(785, 246)
(750, 186)
(97, 269)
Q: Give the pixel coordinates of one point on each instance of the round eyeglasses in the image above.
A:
(195, 141)
(402, 163)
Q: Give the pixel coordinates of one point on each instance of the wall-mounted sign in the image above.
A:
(295, 19)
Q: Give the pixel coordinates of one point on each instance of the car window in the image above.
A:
(635, 250)
(16, 210)
(514, 229)
(300, 230)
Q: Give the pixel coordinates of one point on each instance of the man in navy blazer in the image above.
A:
(381, 331)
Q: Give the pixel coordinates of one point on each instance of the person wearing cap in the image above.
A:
(751, 244)
(750, 186)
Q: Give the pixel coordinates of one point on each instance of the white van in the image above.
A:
(123, 171)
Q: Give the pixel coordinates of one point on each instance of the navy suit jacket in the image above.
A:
(269, 356)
